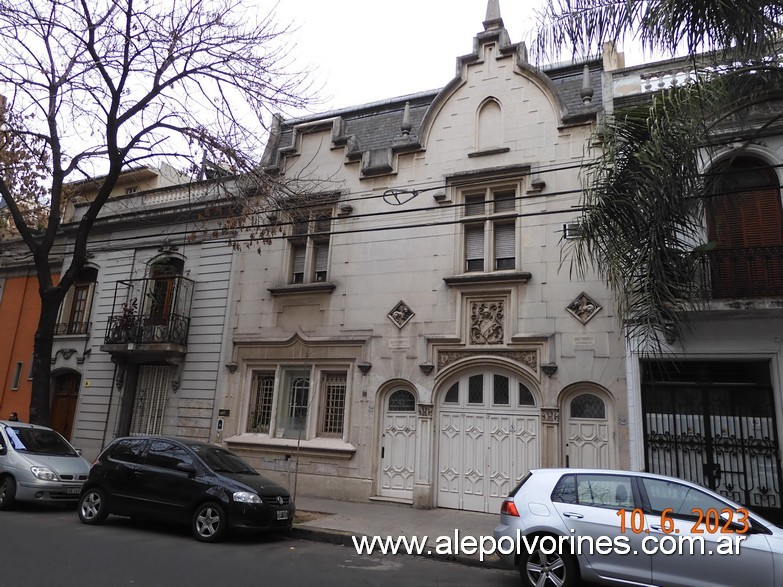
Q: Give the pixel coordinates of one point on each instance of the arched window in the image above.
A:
(588, 406)
(526, 396)
(452, 395)
(488, 389)
(402, 401)
(745, 222)
(161, 292)
(490, 125)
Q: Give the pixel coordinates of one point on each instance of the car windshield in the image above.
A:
(39, 441)
(222, 461)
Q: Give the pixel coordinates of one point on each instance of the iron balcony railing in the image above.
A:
(171, 329)
(72, 328)
(752, 272)
(151, 311)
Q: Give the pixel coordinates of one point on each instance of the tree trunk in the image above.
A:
(40, 398)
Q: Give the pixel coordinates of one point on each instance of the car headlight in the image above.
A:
(246, 497)
(43, 473)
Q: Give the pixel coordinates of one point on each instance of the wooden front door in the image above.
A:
(66, 396)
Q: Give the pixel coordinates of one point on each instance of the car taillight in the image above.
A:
(509, 508)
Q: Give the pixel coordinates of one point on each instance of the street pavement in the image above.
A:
(337, 522)
(46, 547)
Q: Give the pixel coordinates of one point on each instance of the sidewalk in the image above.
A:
(336, 522)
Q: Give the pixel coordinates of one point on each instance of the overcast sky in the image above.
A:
(369, 50)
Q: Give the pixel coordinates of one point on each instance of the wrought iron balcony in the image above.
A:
(753, 272)
(64, 328)
(152, 311)
(171, 329)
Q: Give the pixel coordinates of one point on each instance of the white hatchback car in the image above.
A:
(38, 465)
(560, 526)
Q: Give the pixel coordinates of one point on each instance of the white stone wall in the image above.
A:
(374, 269)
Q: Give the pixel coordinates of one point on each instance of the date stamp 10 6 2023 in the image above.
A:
(710, 521)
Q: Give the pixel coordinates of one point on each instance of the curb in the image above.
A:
(343, 538)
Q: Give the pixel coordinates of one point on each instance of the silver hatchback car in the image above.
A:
(38, 465)
(561, 526)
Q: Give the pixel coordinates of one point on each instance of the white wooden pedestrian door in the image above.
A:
(587, 445)
(488, 440)
(398, 445)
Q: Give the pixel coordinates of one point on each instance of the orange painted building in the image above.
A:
(20, 307)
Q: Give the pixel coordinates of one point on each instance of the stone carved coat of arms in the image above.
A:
(486, 323)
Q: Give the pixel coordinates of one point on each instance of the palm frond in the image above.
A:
(741, 29)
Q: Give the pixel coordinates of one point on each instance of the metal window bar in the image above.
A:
(150, 404)
(260, 414)
(333, 411)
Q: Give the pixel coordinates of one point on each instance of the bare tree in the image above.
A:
(97, 86)
(23, 168)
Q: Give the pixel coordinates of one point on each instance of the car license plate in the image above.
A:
(282, 514)
(73, 490)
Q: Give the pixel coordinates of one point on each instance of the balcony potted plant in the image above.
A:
(123, 327)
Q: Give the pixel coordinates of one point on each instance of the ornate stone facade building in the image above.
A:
(412, 336)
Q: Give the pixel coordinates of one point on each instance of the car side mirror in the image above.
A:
(78, 451)
(188, 468)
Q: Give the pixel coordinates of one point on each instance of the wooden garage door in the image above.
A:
(488, 440)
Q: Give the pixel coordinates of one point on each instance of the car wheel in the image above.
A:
(92, 506)
(7, 492)
(539, 569)
(209, 522)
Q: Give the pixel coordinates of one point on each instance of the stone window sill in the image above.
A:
(302, 288)
(479, 278)
(331, 447)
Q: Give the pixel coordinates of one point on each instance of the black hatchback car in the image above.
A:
(155, 477)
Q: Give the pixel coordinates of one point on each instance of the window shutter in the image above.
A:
(323, 224)
(321, 251)
(505, 201)
(474, 247)
(748, 230)
(299, 252)
(504, 246)
(474, 205)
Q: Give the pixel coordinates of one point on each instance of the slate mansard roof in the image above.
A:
(373, 133)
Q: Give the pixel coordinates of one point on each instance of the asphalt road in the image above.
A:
(50, 547)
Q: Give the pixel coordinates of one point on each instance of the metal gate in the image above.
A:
(714, 424)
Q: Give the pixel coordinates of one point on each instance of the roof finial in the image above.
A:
(587, 88)
(406, 125)
(493, 19)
